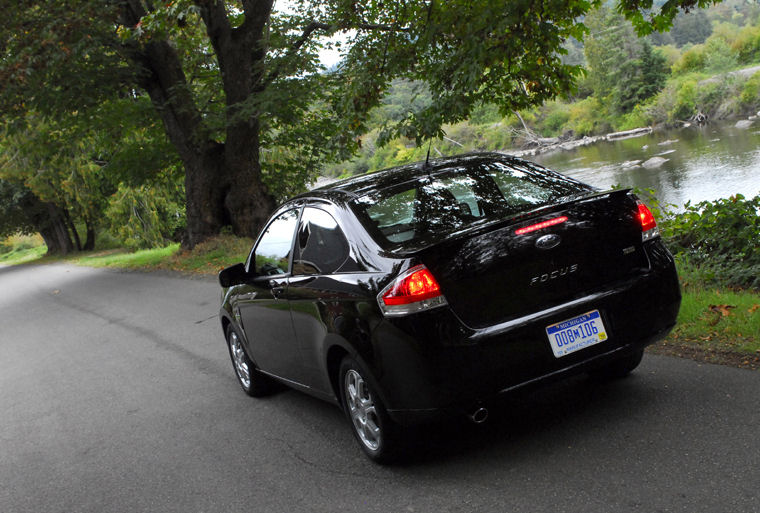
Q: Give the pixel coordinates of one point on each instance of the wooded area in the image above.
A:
(179, 119)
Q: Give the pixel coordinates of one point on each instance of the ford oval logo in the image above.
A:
(548, 241)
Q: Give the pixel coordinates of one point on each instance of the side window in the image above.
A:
(272, 254)
(321, 247)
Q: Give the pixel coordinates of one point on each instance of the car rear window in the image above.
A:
(431, 207)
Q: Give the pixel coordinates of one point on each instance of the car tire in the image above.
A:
(618, 368)
(377, 434)
(251, 380)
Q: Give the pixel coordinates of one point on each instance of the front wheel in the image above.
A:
(618, 368)
(376, 432)
(253, 382)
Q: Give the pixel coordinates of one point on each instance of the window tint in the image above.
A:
(433, 206)
(321, 248)
(272, 254)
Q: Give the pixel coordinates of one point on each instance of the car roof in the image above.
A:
(359, 185)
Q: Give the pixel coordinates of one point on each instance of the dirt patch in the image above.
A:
(707, 355)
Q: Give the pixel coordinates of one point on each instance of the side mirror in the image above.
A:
(233, 275)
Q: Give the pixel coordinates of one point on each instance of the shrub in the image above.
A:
(586, 117)
(750, 95)
(686, 101)
(556, 115)
(747, 45)
(719, 57)
(718, 240)
(691, 60)
(145, 217)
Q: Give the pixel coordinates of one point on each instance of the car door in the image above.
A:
(263, 305)
(321, 289)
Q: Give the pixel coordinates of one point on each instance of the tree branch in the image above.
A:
(330, 28)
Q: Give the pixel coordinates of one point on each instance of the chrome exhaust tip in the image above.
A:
(479, 415)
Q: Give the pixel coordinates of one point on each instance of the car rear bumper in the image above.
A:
(427, 373)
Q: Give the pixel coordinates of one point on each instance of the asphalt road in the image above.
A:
(117, 394)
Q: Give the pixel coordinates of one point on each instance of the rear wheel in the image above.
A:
(620, 367)
(376, 432)
(253, 382)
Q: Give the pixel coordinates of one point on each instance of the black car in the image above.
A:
(429, 289)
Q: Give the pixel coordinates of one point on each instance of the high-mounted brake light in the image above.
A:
(413, 291)
(541, 225)
(649, 228)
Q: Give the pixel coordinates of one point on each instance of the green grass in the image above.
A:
(206, 258)
(22, 256)
(729, 320)
(20, 249)
(141, 259)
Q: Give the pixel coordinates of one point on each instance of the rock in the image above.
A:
(654, 162)
(669, 141)
(744, 124)
(630, 163)
(645, 147)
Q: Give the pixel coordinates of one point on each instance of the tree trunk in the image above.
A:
(73, 229)
(206, 184)
(54, 231)
(89, 243)
(247, 202)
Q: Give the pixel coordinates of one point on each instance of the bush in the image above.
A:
(750, 95)
(145, 217)
(691, 60)
(586, 117)
(686, 101)
(719, 241)
(719, 57)
(747, 45)
(556, 115)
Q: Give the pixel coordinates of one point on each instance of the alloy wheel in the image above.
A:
(240, 360)
(362, 410)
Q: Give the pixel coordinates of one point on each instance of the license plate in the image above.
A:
(574, 334)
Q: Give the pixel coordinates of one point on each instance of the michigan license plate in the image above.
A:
(574, 334)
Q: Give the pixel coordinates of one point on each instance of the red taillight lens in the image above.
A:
(646, 218)
(541, 225)
(416, 286)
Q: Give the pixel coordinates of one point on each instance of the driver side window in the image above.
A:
(272, 254)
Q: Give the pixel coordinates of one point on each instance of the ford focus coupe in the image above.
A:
(427, 290)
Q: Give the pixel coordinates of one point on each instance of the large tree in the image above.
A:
(240, 90)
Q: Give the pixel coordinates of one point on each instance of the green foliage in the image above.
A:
(747, 45)
(587, 117)
(19, 243)
(15, 203)
(750, 95)
(555, 117)
(693, 59)
(686, 102)
(719, 56)
(719, 241)
(146, 217)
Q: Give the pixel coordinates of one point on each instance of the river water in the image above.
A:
(707, 163)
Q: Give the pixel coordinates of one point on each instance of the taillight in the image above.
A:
(649, 228)
(413, 291)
